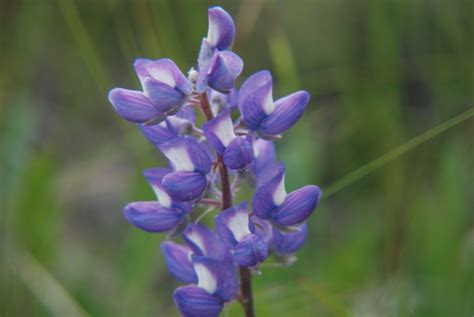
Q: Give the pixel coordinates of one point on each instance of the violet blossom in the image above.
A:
(236, 139)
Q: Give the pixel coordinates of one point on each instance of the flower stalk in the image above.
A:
(246, 295)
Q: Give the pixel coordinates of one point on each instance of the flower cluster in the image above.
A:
(236, 140)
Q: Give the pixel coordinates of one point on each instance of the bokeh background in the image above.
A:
(388, 134)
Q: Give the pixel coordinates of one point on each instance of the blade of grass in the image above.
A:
(370, 167)
(84, 43)
(45, 287)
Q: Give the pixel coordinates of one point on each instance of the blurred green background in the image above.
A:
(388, 135)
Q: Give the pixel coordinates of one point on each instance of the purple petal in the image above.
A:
(219, 131)
(155, 176)
(187, 154)
(288, 110)
(297, 207)
(250, 251)
(140, 68)
(214, 278)
(263, 229)
(204, 242)
(166, 72)
(193, 301)
(133, 105)
(253, 83)
(255, 99)
(224, 69)
(184, 186)
(289, 242)
(221, 30)
(232, 224)
(151, 216)
(205, 54)
(166, 99)
(159, 133)
(264, 157)
(238, 154)
(270, 195)
(199, 155)
(178, 261)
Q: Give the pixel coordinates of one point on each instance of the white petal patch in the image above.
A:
(207, 281)
(179, 156)
(162, 74)
(268, 104)
(279, 194)
(239, 225)
(256, 149)
(224, 130)
(197, 240)
(162, 196)
(213, 33)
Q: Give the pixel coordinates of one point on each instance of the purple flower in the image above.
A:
(219, 72)
(163, 83)
(221, 31)
(235, 229)
(133, 105)
(191, 163)
(259, 111)
(165, 90)
(272, 202)
(215, 271)
(178, 260)
(236, 151)
(195, 301)
(157, 216)
(218, 66)
(237, 136)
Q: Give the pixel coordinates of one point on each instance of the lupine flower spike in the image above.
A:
(216, 261)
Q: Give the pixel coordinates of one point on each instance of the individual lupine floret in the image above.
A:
(163, 83)
(218, 66)
(272, 202)
(217, 280)
(191, 164)
(261, 113)
(165, 90)
(236, 151)
(236, 230)
(204, 242)
(157, 216)
(219, 72)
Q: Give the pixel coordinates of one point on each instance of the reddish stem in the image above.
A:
(245, 274)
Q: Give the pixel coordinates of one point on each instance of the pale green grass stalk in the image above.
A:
(383, 160)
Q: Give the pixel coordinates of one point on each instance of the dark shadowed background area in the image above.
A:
(388, 135)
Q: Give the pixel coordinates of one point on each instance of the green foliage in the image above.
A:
(388, 135)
